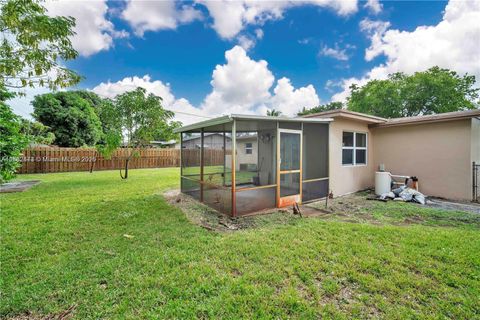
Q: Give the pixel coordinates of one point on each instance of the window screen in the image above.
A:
(347, 139)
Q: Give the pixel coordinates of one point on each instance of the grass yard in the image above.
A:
(109, 248)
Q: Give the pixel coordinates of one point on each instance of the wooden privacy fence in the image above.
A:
(56, 159)
(211, 157)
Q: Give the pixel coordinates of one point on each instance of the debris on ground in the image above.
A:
(402, 193)
(351, 208)
(296, 209)
(354, 208)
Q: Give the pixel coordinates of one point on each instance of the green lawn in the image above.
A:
(64, 243)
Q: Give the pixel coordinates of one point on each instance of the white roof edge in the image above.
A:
(230, 118)
(202, 124)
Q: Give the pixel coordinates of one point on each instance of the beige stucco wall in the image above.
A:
(439, 154)
(242, 157)
(348, 179)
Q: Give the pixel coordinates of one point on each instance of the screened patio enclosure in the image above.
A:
(242, 164)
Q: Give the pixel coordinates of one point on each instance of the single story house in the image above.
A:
(280, 161)
(438, 149)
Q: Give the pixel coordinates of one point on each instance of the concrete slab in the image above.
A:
(18, 186)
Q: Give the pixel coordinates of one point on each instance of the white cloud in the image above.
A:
(374, 6)
(338, 53)
(94, 32)
(289, 100)
(375, 31)
(452, 44)
(231, 17)
(21, 105)
(335, 53)
(246, 42)
(305, 41)
(259, 33)
(158, 15)
(157, 87)
(241, 85)
(332, 85)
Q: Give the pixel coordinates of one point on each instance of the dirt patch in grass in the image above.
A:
(63, 315)
(353, 208)
(210, 219)
(356, 208)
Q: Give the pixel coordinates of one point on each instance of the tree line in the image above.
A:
(83, 119)
(435, 90)
(33, 49)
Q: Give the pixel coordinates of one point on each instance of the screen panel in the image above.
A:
(255, 153)
(314, 190)
(216, 147)
(315, 151)
(190, 149)
(289, 184)
(190, 187)
(218, 198)
(249, 201)
(289, 151)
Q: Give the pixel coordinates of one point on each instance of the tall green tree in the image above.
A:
(429, 92)
(135, 118)
(165, 131)
(12, 142)
(71, 118)
(321, 108)
(37, 132)
(33, 45)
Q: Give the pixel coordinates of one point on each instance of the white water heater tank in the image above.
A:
(383, 182)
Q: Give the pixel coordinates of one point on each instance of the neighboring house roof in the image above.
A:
(440, 117)
(247, 137)
(205, 135)
(163, 143)
(377, 122)
(345, 114)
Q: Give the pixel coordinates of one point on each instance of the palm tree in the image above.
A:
(274, 113)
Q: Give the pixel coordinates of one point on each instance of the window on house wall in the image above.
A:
(354, 148)
(248, 148)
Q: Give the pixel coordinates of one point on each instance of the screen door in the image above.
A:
(290, 167)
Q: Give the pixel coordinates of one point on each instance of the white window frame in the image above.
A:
(248, 148)
(355, 148)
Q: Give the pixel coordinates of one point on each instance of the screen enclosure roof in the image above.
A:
(241, 117)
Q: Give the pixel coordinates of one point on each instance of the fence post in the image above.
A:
(475, 181)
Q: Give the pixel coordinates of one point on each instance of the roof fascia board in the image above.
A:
(203, 124)
(227, 119)
(421, 121)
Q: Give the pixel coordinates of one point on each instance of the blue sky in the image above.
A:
(283, 55)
